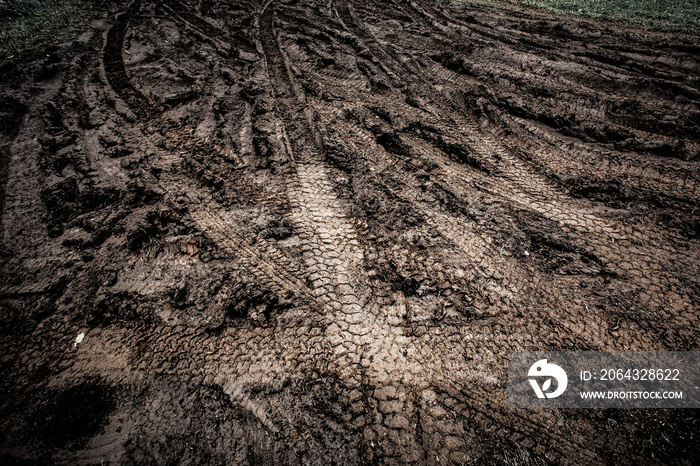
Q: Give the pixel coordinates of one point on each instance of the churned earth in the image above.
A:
(310, 232)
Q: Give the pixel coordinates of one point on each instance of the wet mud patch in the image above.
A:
(58, 420)
(69, 418)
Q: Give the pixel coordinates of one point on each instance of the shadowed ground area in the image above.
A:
(310, 232)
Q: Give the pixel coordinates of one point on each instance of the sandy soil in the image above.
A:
(310, 232)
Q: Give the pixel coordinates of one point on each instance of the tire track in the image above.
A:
(331, 251)
(536, 193)
(200, 153)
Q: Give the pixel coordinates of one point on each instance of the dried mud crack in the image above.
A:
(311, 232)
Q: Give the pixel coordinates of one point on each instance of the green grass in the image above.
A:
(29, 25)
(659, 15)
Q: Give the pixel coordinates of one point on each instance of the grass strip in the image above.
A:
(30, 25)
(655, 15)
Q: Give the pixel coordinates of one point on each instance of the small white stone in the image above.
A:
(79, 339)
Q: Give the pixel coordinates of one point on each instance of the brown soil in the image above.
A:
(311, 232)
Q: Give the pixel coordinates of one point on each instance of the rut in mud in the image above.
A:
(311, 232)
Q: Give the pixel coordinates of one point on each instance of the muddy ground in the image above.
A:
(310, 232)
